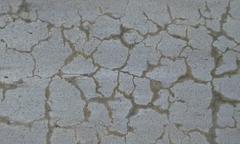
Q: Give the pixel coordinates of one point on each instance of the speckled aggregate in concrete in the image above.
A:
(119, 71)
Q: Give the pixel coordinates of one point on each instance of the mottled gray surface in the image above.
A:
(119, 71)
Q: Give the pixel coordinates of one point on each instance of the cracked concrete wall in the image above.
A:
(119, 72)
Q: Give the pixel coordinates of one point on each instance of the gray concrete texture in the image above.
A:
(119, 71)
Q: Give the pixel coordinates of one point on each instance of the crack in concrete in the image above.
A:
(24, 13)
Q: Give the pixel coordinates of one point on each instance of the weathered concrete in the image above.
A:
(119, 71)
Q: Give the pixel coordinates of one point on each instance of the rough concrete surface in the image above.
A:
(119, 71)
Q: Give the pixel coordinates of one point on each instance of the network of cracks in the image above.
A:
(119, 72)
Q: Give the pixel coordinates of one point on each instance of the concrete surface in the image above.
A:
(119, 71)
